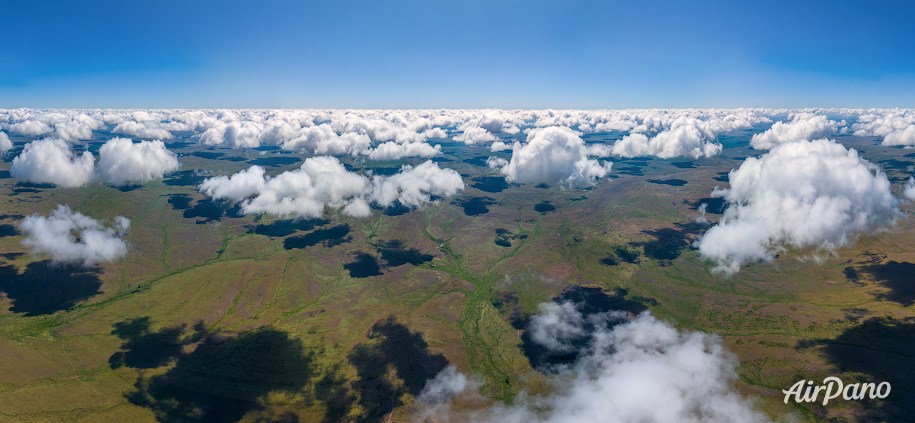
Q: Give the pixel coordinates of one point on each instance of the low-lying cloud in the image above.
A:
(802, 194)
(553, 155)
(67, 236)
(632, 369)
(322, 183)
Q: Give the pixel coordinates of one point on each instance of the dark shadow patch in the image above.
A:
(179, 201)
(234, 159)
(206, 210)
(852, 275)
(391, 347)
(477, 161)
(713, 205)
(475, 206)
(626, 255)
(542, 185)
(395, 253)
(441, 159)
(880, 349)
(274, 161)
(609, 261)
(491, 184)
(8, 230)
(186, 178)
(671, 182)
(5, 174)
(899, 277)
(504, 237)
(669, 242)
(35, 185)
(328, 237)
(45, 287)
(364, 265)
(722, 176)
(128, 188)
(210, 155)
(144, 349)
(683, 165)
(589, 302)
(281, 228)
(544, 207)
(385, 171)
(224, 378)
(396, 209)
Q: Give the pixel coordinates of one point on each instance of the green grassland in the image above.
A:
(254, 318)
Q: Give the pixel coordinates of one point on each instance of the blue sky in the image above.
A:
(418, 54)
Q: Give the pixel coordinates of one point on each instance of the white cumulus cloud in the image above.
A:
(801, 194)
(122, 161)
(800, 127)
(323, 183)
(553, 155)
(67, 236)
(52, 161)
(631, 370)
(5, 143)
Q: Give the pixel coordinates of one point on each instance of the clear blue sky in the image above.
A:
(406, 54)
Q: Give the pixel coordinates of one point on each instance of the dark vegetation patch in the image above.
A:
(544, 207)
(391, 348)
(671, 182)
(328, 237)
(491, 184)
(45, 287)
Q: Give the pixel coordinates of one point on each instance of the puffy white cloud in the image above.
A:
(686, 137)
(801, 194)
(323, 183)
(52, 161)
(122, 162)
(71, 237)
(5, 143)
(475, 135)
(896, 126)
(322, 139)
(902, 137)
(415, 186)
(320, 183)
(553, 155)
(395, 151)
(908, 191)
(631, 370)
(144, 130)
(800, 127)
(31, 127)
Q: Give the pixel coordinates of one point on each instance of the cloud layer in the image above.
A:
(800, 127)
(802, 194)
(71, 237)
